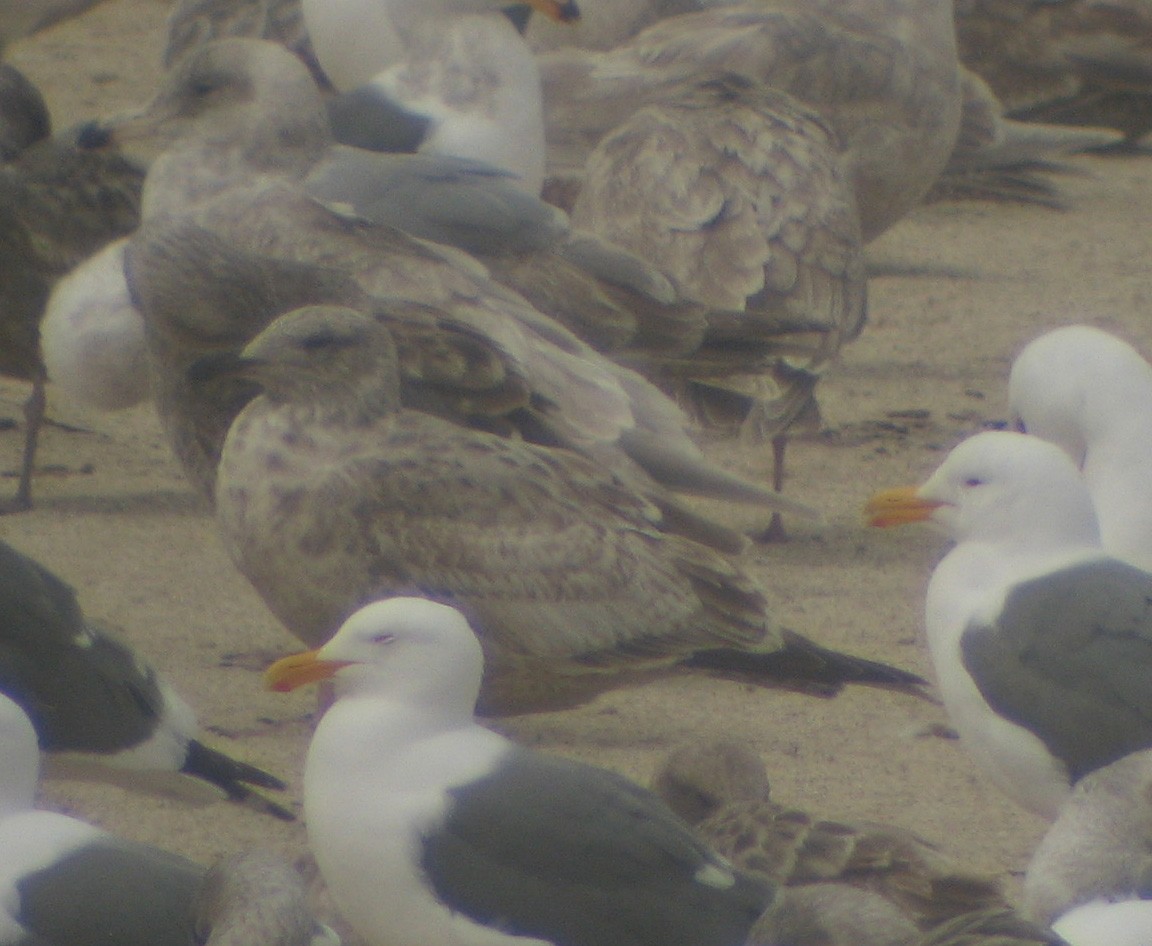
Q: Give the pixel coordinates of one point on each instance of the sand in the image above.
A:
(966, 285)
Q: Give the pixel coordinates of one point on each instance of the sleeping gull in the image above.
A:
(66, 883)
(1091, 394)
(721, 788)
(429, 828)
(98, 708)
(1089, 876)
(1042, 643)
(577, 577)
(255, 898)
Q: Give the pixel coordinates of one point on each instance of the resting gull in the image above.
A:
(58, 205)
(429, 828)
(232, 174)
(255, 898)
(1042, 643)
(66, 883)
(721, 788)
(1089, 876)
(857, 884)
(98, 708)
(578, 577)
(1091, 394)
(883, 75)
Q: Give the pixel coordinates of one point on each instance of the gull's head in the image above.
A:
(998, 486)
(1072, 386)
(404, 648)
(325, 352)
(19, 758)
(246, 95)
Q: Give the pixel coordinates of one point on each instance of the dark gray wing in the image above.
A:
(463, 203)
(24, 117)
(579, 856)
(1070, 658)
(364, 118)
(84, 691)
(111, 891)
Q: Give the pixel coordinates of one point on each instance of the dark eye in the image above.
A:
(973, 481)
(383, 638)
(324, 339)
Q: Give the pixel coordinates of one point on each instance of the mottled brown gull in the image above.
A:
(883, 74)
(255, 898)
(722, 789)
(332, 493)
(231, 141)
(58, 205)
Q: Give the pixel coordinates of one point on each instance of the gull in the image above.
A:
(249, 125)
(58, 205)
(1089, 876)
(1090, 393)
(578, 577)
(430, 828)
(1041, 641)
(901, 882)
(64, 882)
(99, 709)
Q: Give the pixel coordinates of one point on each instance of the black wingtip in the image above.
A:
(234, 778)
(803, 664)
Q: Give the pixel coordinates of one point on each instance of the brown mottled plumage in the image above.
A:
(58, 206)
(723, 789)
(331, 492)
(246, 149)
(738, 194)
(255, 898)
(882, 73)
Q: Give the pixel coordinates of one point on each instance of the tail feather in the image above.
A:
(805, 664)
(234, 778)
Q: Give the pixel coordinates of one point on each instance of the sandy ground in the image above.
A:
(970, 284)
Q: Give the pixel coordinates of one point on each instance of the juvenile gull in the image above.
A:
(58, 205)
(97, 706)
(429, 828)
(1089, 876)
(233, 173)
(884, 75)
(1042, 643)
(578, 577)
(1091, 394)
(721, 788)
(256, 899)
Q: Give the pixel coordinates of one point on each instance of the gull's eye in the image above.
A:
(384, 638)
(973, 481)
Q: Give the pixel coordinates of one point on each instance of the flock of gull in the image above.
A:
(435, 301)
